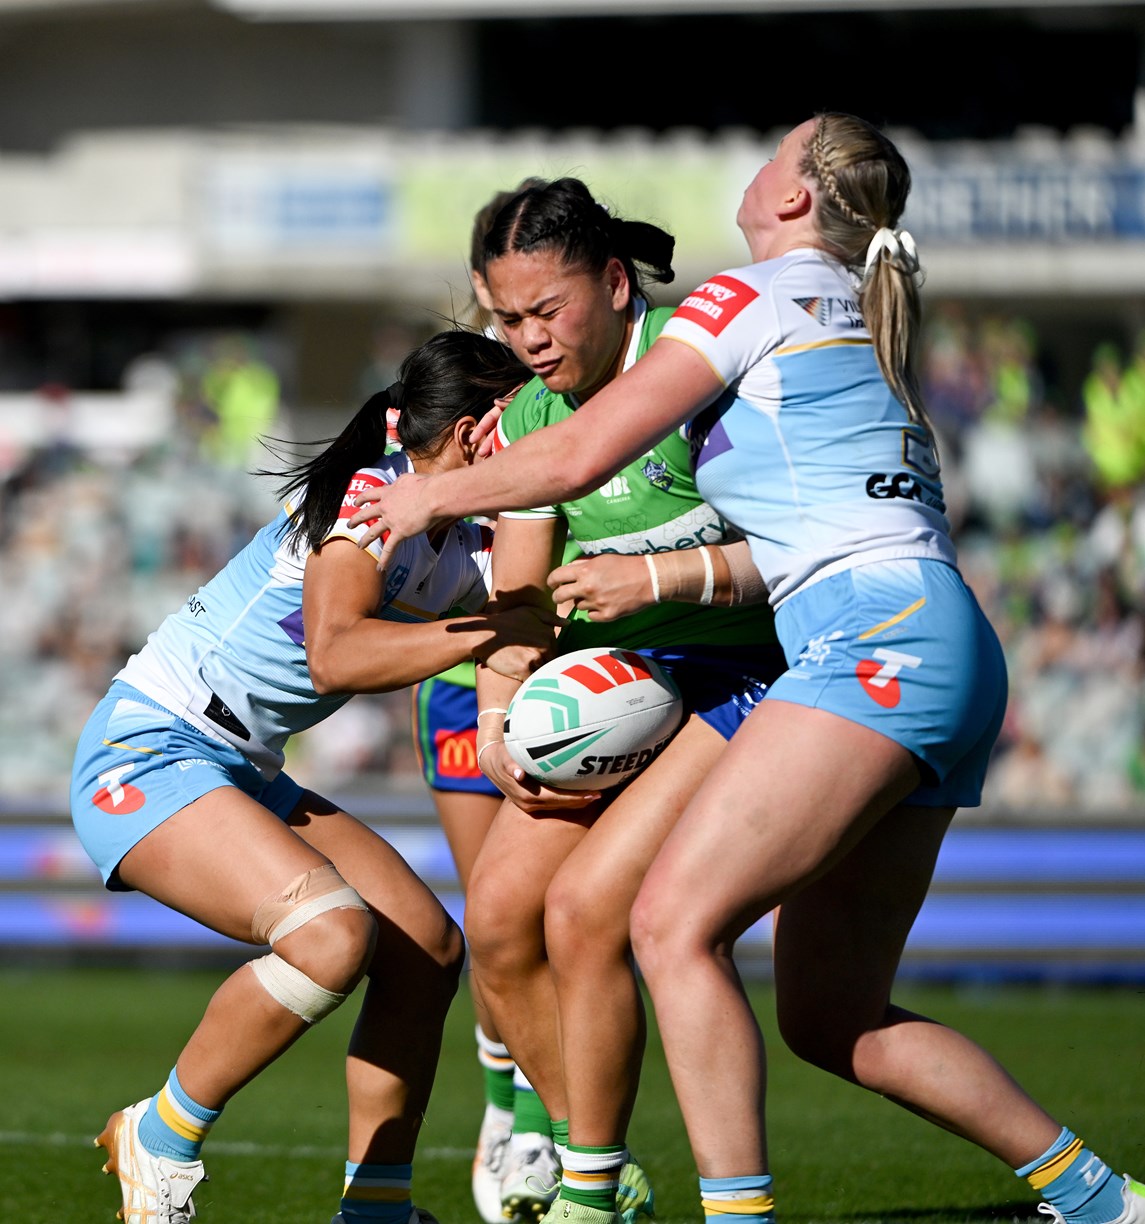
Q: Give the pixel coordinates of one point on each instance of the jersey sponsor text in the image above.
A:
(716, 302)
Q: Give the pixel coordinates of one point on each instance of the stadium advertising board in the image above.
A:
(356, 211)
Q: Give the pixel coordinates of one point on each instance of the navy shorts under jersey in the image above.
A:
(721, 684)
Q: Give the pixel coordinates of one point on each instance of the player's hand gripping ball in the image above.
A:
(592, 718)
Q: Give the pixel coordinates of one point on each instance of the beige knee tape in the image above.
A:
(293, 989)
(312, 893)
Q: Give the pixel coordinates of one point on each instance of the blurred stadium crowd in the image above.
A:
(100, 538)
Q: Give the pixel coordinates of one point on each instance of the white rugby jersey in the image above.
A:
(807, 452)
(232, 660)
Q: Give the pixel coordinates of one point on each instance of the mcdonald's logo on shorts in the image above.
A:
(457, 754)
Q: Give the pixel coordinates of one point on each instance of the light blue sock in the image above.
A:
(377, 1193)
(1075, 1181)
(174, 1125)
(746, 1200)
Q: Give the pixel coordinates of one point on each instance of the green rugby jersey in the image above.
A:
(650, 506)
(464, 674)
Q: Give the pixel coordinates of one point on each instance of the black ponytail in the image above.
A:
(326, 476)
(452, 375)
(563, 216)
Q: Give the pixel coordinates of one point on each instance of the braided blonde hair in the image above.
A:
(864, 182)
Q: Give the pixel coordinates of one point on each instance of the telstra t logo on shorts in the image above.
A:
(116, 797)
(879, 676)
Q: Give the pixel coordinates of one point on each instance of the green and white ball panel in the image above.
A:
(592, 718)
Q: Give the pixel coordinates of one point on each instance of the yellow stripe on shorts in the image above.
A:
(894, 620)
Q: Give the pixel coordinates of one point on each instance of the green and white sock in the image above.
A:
(498, 1070)
(592, 1174)
(529, 1115)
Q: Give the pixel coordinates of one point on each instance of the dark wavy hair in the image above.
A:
(454, 374)
(563, 216)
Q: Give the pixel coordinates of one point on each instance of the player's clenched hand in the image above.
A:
(527, 793)
(394, 512)
(521, 639)
(604, 587)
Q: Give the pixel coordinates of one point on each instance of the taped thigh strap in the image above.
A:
(312, 893)
(293, 989)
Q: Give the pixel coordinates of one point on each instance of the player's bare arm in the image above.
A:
(350, 650)
(669, 383)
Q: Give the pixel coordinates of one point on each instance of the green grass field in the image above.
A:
(76, 1044)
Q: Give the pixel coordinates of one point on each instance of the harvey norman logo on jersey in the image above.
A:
(716, 302)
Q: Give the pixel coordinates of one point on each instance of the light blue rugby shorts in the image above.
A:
(902, 647)
(136, 763)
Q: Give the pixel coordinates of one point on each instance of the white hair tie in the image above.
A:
(899, 247)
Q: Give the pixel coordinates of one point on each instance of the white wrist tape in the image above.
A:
(654, 576)
(487, 744)
(490, 710)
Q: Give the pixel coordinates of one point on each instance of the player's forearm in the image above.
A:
(721, 575)
(494, 692)
(536, 470)
(377, 656)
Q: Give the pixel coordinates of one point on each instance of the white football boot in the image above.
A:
(1133, 1205)
(155, 1189)
(532, 1179)
(490, 1162)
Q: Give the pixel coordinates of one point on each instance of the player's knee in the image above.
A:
(448, 954)
(422, 941)
(820, 1039)
(321, 926)
(651, 934)
(502, 932)
(336, 948)
(294, 990)
(450, 961)
(577, 923)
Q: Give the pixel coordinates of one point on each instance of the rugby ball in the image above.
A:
(592, 718)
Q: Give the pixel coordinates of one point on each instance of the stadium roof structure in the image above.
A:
(406, 10)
